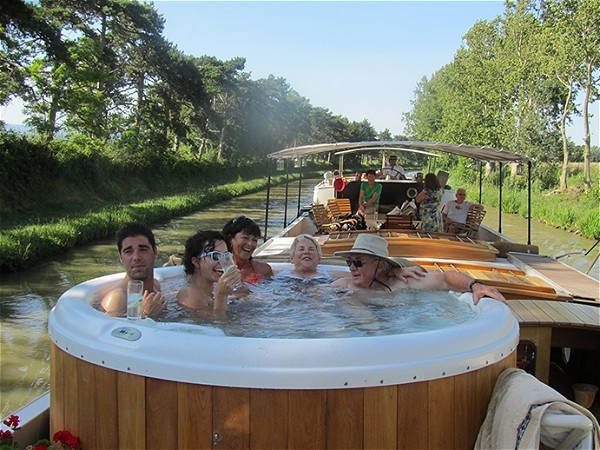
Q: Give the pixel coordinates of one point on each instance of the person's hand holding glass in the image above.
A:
(231, 280)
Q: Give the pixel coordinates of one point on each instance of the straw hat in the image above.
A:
(373, 245)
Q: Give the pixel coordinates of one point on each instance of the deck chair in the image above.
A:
(321, 217)
(474, 218)
(396, 222)
(338, 207)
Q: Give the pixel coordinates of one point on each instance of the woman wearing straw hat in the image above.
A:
(370, 264)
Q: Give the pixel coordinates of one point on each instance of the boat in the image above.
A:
(106, 386)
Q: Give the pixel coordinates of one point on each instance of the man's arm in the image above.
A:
(456, 281)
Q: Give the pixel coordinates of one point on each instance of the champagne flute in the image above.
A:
(226, 261)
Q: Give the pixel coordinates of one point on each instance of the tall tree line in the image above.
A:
(101, 73)
(513, 83)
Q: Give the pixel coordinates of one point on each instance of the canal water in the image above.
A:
(27, 297)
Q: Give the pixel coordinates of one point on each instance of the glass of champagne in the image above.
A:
(226, 260)
(135, 292)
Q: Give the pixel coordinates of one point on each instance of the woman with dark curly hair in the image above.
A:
(201, 261)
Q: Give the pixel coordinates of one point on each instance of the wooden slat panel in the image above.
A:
(539, 314)
(590, 313)
(413, 415)
(131, 393)
(554, 317)
(268, 418)
(466, 410)
(161, 402)
(71, 390)
(569, 317)
(231, 417)
(107, 421)
(381, 417)
(57, 391)
(581, 311)
(307, 414)
(194, 412)
(345, 418)
(441, 413)
(86, 388)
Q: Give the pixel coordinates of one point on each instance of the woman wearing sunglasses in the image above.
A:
(207, 286)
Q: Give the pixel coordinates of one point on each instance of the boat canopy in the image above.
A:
(478, 153)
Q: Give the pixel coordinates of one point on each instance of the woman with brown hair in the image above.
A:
(429, 200)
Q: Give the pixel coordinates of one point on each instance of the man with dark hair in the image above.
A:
(137, 252)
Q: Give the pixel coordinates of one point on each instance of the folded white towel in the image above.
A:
(515, 413)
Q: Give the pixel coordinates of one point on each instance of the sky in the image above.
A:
(358, 59)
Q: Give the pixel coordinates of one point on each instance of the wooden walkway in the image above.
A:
(550, 324)
(578, 284)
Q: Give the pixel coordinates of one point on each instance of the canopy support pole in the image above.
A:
(480, 180)
(528, 202)
(500, 202)
(287, 188)
(299, 188)
(268, 198)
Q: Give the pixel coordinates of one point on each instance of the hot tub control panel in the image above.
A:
(127, 333)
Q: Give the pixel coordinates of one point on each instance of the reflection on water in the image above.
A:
(551, 241)
(26, 297)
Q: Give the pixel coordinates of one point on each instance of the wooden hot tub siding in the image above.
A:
(111, 409)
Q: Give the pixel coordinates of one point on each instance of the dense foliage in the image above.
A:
(102, 75)
(514, 82)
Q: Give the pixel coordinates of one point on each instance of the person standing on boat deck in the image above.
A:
(370, 192)
(454, 212)
(429, 200)
(392, 170)
(207, 286)
(370, 264)
(242, 235)
(137, 252)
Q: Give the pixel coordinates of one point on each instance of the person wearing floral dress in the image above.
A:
(429, 200)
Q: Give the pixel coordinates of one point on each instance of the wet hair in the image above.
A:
(131, 229)
(371, 172)
(201, 242)
(239, 224)
(432, 182)
(306, 237)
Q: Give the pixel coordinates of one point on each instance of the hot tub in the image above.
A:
(115, 383)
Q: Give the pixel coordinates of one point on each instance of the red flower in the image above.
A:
(66, 439)
(5, 435)
(12, 421)
(40, 447)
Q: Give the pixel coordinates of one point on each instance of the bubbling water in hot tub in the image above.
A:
(288, 308)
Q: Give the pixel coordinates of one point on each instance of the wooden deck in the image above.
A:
(550, 324)
(579, 285)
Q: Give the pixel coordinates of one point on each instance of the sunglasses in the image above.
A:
(357, 263)
(214, 256)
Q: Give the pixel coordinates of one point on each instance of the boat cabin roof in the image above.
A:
(479, 153)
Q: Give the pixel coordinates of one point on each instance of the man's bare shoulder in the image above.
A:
(115, 301)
